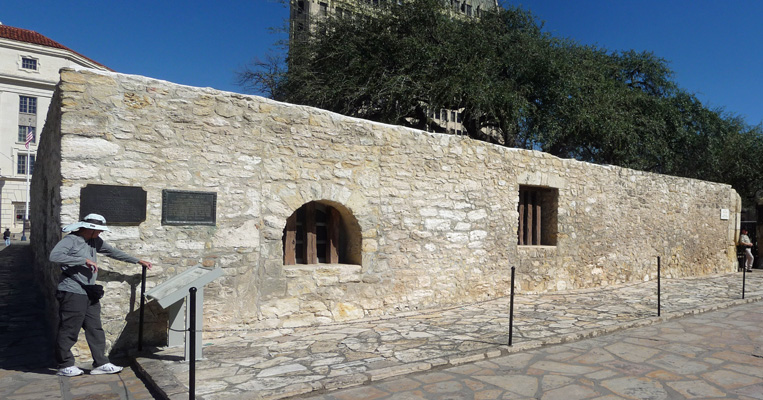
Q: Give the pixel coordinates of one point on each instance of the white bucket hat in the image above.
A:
(91, 221)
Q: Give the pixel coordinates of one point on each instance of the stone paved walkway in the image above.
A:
(26, 363)
(42, 383)
(274, 364)
(710, 356)
(22, 312)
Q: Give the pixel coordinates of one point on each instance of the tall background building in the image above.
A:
(29, 65)
(304, 11)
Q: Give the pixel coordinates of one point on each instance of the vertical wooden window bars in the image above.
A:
(312, 235)
(537, 216)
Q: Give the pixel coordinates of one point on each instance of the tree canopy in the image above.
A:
(514, 85)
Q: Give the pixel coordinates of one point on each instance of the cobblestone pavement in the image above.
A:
(272, 364)
(42, 383)
(26, 360)
(714, 355)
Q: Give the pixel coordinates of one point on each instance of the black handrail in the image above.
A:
(142, 306)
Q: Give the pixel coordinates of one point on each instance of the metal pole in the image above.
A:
(142, 306)
(192, 349)
(511, 307)
(658, 286)
(744, 279)
(26, 206)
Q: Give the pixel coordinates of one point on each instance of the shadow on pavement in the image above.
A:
(25, 338)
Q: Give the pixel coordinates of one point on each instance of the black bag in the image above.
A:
(94, 292)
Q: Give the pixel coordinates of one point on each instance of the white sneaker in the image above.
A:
(70, 371)
(107, 368)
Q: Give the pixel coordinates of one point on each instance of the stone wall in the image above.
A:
(436, 216)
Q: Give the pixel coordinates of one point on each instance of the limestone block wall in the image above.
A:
(435, 216)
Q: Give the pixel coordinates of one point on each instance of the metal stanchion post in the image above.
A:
(744, 279)
(142, 305)
(192, 348)
(658, 286)
(511, 307)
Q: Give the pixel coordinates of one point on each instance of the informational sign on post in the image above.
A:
(172, 293)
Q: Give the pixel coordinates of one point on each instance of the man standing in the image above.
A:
(745, 242)
(7, 236)
(77, 254)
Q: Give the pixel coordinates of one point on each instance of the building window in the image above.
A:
(29, 63)
(23, 130)
(324, 7)
(22, 162)
(27, 105)
(312, 235)
(537, 216)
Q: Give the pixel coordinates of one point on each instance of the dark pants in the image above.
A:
(74, 312)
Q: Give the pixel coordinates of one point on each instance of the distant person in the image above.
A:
(77, 254)
(745, 242)
(7, 236)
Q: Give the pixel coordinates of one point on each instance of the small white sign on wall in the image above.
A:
(724, 214)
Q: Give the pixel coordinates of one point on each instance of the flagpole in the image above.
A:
(28, 165)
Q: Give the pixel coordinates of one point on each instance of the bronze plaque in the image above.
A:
(183, 207)
(120, 205)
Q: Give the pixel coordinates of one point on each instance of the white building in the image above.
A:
(29, 64)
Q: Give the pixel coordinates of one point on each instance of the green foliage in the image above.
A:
(516, 86)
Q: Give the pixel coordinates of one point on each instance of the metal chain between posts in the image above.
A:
(192, 319)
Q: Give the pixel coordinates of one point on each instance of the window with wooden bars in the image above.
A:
(537, 216)
(312, 235)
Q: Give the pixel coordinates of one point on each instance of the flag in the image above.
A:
(29, 136)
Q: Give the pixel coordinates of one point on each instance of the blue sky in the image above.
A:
(715, 47)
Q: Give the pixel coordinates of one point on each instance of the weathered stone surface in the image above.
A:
(435, 216)
(626, 364)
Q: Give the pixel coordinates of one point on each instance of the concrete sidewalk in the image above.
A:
(272, 364)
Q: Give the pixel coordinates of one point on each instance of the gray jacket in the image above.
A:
(72, 251)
